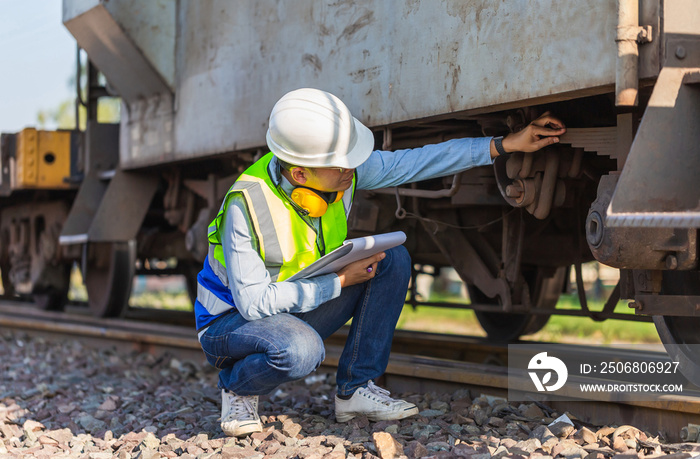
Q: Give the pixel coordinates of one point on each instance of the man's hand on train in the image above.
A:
(540, 133)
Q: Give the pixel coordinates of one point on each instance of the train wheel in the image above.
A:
(8, 288)
(501, 327)
(681, 335)
(109, 273)
(54, 297)
(53, 300)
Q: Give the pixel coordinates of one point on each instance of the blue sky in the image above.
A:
(37, 59)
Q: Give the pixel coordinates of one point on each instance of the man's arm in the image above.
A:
(392, 168)
(254, 295)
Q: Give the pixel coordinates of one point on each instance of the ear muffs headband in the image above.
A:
(313, 201)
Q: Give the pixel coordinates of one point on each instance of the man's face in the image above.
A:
(328, 178)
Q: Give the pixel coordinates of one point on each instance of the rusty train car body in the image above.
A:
(197, 80)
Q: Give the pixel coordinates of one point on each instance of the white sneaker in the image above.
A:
(239, 414)
(373, 402)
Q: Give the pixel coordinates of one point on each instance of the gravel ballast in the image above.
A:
(64, 399)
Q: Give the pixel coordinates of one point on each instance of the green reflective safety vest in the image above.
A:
(286, 240)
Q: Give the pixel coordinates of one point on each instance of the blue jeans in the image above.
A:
(256, 356)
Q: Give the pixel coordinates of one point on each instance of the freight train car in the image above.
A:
(198, 79)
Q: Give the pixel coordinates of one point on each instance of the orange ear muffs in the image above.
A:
(314, 202)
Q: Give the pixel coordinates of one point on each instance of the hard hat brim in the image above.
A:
(364, 145)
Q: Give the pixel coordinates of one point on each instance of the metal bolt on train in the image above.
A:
(197, 81)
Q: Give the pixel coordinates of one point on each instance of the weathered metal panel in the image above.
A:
(151, 25)
(128, 68)
(681, 17)
(390, 61)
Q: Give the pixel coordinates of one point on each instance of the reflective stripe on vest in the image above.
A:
(286, 241)
(211, 302)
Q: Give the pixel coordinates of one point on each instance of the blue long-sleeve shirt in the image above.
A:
(255, 296)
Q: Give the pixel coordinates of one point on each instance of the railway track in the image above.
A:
(420, 362)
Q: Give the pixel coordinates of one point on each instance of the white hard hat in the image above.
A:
(313, 128)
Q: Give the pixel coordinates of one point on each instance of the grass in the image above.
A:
(178, 301)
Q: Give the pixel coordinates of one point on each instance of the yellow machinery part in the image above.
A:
(42, 159)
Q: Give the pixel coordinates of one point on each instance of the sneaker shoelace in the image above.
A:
(381, 395)
(242, 408)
